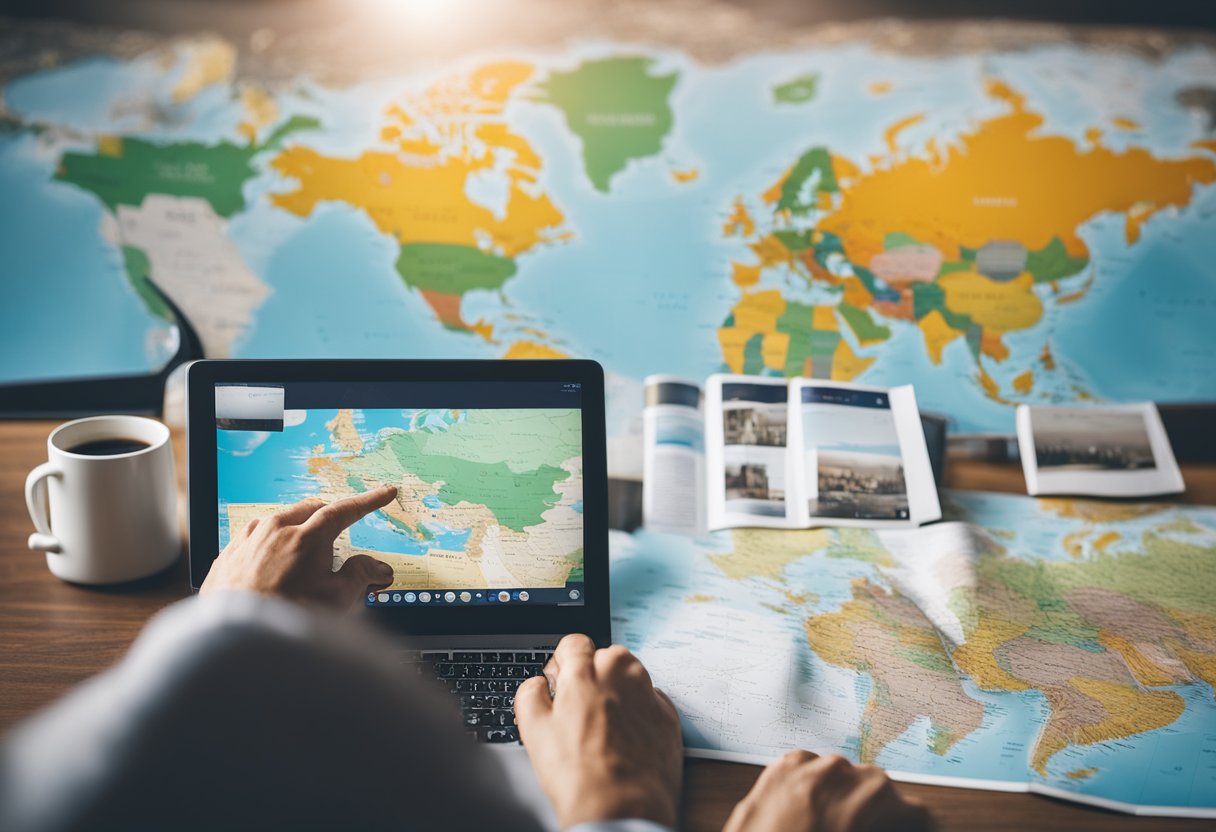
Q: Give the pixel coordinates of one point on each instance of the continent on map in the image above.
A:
(953, 239)
(887, 636)
(1103, 638)
(167, 210)
(418, 190)
(616, 107)
(797, 90)
(511, 479)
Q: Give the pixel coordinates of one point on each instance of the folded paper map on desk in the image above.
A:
(1063, 647)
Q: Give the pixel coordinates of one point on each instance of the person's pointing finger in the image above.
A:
(344, 513)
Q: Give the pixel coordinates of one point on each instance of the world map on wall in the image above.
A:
(1028, 225)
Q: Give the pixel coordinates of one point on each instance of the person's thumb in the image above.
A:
(362, 571)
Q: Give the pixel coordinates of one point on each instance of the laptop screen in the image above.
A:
(489, 477)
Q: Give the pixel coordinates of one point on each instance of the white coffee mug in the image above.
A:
(105, 518)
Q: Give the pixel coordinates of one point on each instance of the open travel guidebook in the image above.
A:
(772, 453)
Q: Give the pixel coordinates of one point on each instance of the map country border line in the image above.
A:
(1011, 786)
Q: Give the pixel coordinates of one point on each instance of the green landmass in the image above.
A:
(616, 107)
(816, 160)
(862, 324)
(929, 296)
(139, 273)
(576, 573)
(795, 241)
(1052, 262)
(500, 459)
(452, 269)
(797, 90)
(753, 355)
(795, 322)
(134, 168)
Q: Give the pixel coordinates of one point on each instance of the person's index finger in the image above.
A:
(344, 513)
(297, 513)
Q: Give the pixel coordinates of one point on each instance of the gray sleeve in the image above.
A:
(238, 711)
(631, 825)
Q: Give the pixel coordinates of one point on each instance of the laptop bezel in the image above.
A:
(515, 620)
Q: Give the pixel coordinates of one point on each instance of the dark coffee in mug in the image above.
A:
(109, 447)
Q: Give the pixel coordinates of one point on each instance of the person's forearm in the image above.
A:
(238, 708)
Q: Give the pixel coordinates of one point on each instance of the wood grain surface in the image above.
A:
(54, 635)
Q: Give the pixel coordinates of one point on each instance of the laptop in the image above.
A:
(498, 536)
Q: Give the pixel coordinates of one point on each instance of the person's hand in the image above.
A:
(803, 791)
(606, 745)
(290, 553)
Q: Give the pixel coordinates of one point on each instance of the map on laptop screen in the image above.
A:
(489, 503)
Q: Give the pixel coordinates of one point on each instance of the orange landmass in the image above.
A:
(980, 189)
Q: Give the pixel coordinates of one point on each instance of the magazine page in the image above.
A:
(1101, 451)
(673, 461)
(861, 456)
(746, 454)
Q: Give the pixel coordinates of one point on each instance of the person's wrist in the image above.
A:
(620, 801)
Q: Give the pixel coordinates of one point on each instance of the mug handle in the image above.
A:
(36, 502)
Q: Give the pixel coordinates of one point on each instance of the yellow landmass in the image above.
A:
(416, 204)
(977, 655)
(1024, 382)
(1081, 773)
(1132, 711)
(759, 311)
(733, 340)
(1147, 672)
(745, 276)
(344, 432)
(1093, 511)
(937, 334)
(497, 135)
(1102, 541)
(1049, 360)
(880, 87)
(740, 222)
(770, 251)
(1074, 542)
(774, 349)
(209, 61)
(700, 598)
(445, 137)
(1205, 144)
(260, 110)
(765, 553)
(1001, 307)
(531, 349)
(992, 345)
(846, 364)
(1124, 123)
(109, 146)
(1006, 180)
(683, 176)
(891, 134)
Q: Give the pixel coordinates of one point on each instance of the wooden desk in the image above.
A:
(54, 635)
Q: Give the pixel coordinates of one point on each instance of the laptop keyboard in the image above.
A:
(484, 682)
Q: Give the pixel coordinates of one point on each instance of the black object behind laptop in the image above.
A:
(498, 536)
